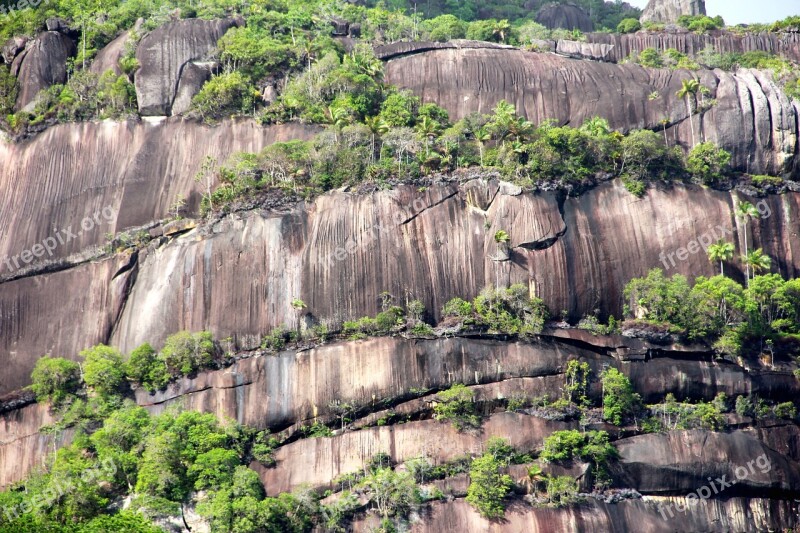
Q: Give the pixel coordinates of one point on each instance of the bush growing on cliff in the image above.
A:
(145, 368)
(103, 369)
(457, 405)
(706, 162)
(224, 95)
(619, 399)
(488, 487)
(185, 353)
(629, 25)
(54, 379)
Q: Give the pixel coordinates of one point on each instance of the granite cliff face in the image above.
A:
(237, 275)
(671, 10)
(752, 119)
(690, 43)
(435, 245)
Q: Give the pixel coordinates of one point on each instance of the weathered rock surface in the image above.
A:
(12, 48)
(435, 245)
(671, 10)
(743, 515)
(682, 461)
(135, 169)
(108, 58)
(193, 76)
(318, 461)
(162, 55)
(566, 16)
(691, 43)
(752, 118)
(22, 446)
(42, 64)
(584, 50)
(401, 48)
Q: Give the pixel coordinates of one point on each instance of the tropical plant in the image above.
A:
(689, 88)
(746, 211)
(721, 251)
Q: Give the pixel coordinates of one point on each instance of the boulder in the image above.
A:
(164, 52)
(193, 76)
(108, 58)
(565, 16)
(12, 48)
(61, 26)
(670, 10)
(43, 64)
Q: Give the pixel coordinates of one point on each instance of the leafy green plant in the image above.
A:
(619, 399)
(457, 405)
(488, 487)
(54, 379)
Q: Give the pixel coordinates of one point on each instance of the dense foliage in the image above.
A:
(738, 320)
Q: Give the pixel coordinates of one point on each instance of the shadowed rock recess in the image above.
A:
(240, 275)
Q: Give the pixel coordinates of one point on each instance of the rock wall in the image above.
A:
(743, 515)
(752, 119)
(691, 43)
(672, 10)
(134, 170)
(238, 276)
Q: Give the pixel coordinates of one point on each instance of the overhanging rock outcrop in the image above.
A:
(753, 119)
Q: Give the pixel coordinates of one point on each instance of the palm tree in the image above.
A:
(500, 29)
(520, 128)
(721, 251)
(377, 127)
(428, 128)
(338, 118)
(758, 261)
(746, 211)
(596, 127)
(689, 87)
(482, 135)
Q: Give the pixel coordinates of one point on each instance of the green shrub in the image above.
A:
(707, 162)
(457, 405)
(224, 95)
(185, 353)
(457, 308)
(785, 410)
(316, 430)
(145, 368)
(54, 379)
(563, 445)
(561, 490)
(103, 369)
(629, 25)
(488, 487)
(619, 399)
